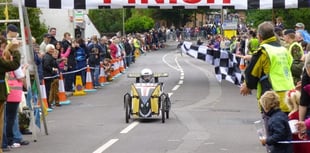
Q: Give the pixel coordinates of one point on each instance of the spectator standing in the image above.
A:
(297, 53)
(58, 47)
(253, 43)
(128, 50)
(278, 128)
(137, 46)
(6, 65)
(63, 65)
(94, 61)
(96, 44)
(96, 55)
(103, 44)
(263, 73)
(71, 63)
(279, 23)
(81, 56)
(300, 27)
(50, 68)
(46, 40)
(293, 99)
(12, 32)
(16, 81)
(304, 106)
(52, 32)
(38, 61)
(215, 44)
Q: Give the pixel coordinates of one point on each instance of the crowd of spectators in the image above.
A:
(70, 56)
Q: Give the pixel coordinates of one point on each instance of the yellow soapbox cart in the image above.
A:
(147, 100)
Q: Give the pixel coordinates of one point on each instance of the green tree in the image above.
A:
(107, 21)
(177, 17)
(139, 24)
(290, 16)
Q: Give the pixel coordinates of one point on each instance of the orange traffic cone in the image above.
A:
(117, 68)
(44, 97)
(89, 84)
(242, 65)
(62, 94)
(102, 76)
(113, 72)
(121, 65)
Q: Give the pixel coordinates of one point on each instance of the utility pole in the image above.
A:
(124, 22)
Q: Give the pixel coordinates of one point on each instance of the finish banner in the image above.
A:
(165, 4)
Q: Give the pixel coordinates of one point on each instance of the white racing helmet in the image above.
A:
(146, 75)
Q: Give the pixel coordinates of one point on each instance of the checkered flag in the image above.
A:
(226, 64)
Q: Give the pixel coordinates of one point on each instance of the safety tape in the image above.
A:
(65, 73)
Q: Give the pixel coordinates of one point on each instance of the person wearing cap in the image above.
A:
(46, 40)
(300, 27)
(12, 31)
(297, 53)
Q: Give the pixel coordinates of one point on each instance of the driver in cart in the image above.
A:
(147, 76)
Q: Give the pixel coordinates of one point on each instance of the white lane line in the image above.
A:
(164, 60)
(180, 82)
(105, 146)
(170, 94)
(182, 74)
(182, 77)
(175, 87)
(129, 127)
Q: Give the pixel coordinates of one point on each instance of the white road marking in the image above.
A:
(180, 82)
(170, 94)
(132, 125)
(105, 146)
(174, 140)
(129, 127)
(164, 60)
(209, 143)
(175, 87)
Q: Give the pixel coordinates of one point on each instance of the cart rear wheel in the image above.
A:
(163, 113)
(127, 107)
(127, 116)
(168, 105)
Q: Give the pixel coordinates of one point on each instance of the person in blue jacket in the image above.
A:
(277, 127)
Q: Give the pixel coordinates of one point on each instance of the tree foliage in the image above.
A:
(290, 16)
(107, 20)
(139, 24)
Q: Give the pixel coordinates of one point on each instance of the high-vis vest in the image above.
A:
(16, 88)
(253, 45)
(296, 44)
(136, 43)
(280, 74)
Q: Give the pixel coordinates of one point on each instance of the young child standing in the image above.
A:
(292, 100)
(277, 128)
